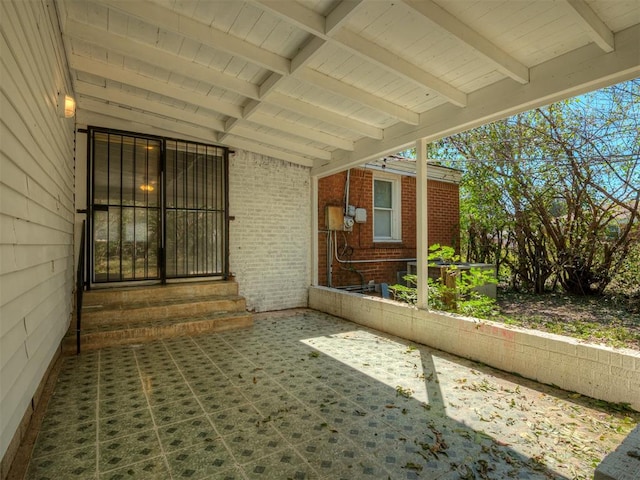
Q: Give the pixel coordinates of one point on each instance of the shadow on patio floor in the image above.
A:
(302, 394)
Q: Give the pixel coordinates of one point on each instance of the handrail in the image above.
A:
(80, 284)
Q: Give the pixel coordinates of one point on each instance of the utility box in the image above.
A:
(334, 217)
(348, 224)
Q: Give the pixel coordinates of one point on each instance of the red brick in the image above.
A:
(443, 219)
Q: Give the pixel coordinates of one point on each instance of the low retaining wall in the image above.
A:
(596, 371)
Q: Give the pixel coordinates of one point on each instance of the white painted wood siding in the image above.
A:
(36, 204)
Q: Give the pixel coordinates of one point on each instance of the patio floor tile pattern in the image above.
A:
(304, 395)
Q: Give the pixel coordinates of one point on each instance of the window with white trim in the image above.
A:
(386, 209)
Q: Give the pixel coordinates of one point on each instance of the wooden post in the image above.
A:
(450, 297)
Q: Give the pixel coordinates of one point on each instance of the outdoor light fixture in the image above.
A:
(66, 105)
(147, 188)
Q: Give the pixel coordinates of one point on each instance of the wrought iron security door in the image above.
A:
(195, 210)
(158, 208)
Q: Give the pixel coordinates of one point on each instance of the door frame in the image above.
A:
(89, 239)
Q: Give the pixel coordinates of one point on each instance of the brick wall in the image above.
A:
(269, 238)
(443, 221)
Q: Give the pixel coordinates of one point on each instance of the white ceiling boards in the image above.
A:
(332, 84)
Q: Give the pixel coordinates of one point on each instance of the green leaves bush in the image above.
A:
(467, 300)
(625, 285)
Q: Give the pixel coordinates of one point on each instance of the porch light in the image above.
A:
(66, 105)
(147, 188)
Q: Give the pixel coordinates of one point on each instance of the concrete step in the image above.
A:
(146, 310)
(151, 293)
(109, 334)
(117, 316)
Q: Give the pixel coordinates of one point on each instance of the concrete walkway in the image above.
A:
(301, 395)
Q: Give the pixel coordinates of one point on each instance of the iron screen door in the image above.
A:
(196, 198)
(158, 209)
(126, 204)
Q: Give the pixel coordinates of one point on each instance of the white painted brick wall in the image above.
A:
(271, 234)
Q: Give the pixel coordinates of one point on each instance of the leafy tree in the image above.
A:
(553, 193)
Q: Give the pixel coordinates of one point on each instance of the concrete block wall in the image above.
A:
(36, 211)
(269, 238)
(444, 228)
(599, 372)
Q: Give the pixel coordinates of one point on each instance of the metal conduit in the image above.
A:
(366, 261)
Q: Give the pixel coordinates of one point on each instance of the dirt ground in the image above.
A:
(593, 319)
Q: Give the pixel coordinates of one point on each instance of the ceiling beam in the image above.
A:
(171, 21)
(504, 62)
(305, 109)
(292, 128)
(192, 119)
(193, 98)
(287, 144)
(86, 118)
(274, 142)
(269, 84)
(582, 70)
(272, 82)
(269, 94)
(121, 97)
(315, 24)
(245, 144)
(356, 94)
(160, 87)
(116, 111)
(192, 29)
(280, 66)
(340, 15)
(293, 104)
(296, 14)
(598, 31)
(152, 55)
(120, 118)
(391, 62)
(307, 52)
(161, 59)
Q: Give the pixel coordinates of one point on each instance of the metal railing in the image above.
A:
(80, 284)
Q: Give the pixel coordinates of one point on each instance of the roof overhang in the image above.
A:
(335, 84)
(399, 165)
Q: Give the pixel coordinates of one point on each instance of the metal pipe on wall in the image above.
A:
(346, 192)
(329, 262)
(368, 261)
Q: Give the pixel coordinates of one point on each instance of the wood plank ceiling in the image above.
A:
(332, 84)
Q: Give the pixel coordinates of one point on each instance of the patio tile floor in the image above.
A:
(304, 395)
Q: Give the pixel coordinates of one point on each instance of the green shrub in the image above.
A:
(406, 293)
(466, 299)
(624, 288)
(626, 280)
